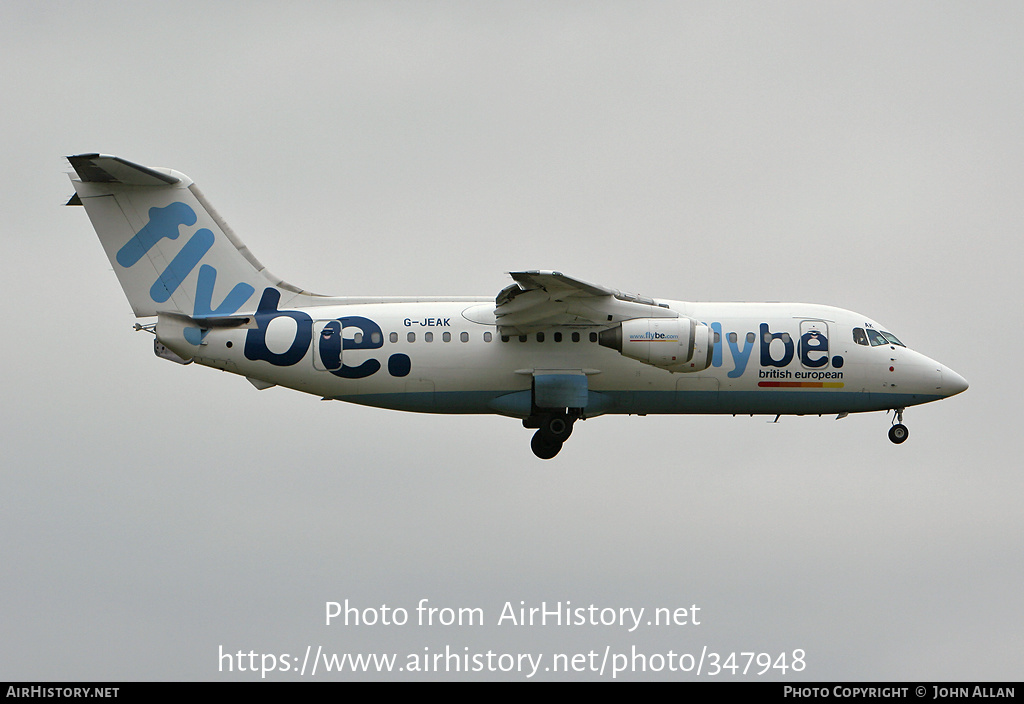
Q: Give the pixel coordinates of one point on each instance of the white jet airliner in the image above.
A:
(549, 349)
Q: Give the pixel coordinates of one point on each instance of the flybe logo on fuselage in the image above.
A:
(330, 344)
(776, 349)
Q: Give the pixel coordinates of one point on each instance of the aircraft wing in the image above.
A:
(543, 299)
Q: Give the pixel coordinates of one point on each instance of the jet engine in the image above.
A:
(676, 344)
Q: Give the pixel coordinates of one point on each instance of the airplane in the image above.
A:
(549, 349)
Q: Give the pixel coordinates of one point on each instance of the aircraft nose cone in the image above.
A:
(952, 383)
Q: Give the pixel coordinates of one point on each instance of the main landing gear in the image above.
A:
(553, 429)
(898, 432)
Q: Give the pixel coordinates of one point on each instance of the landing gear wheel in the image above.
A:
(898, 433)
(557, 428)
(543, 446)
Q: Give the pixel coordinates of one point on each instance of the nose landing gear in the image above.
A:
(898, 432)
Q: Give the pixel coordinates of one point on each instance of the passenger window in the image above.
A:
(751, 337)
(428, 337)
(487, 337)
(522, 338)
(359, 338)
(375, 338)
(733, 337)
(593, 337)
(860, 337)
(411, 337)
(393, 337)
(558, 337)
(575, 337)
(540, 337)
(447, 337)
(504, 338)
(717, 338)
(464, 336)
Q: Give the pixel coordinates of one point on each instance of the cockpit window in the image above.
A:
(892, 338)
(876, 338)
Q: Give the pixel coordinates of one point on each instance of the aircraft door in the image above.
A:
(327, 345)
(813, 349)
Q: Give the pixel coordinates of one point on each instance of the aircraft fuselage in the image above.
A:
(440, 357)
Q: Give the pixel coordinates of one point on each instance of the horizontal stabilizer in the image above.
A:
(103, 168)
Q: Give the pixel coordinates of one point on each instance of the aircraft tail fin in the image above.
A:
(171, 251)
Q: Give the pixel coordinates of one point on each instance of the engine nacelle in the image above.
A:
(675, 344)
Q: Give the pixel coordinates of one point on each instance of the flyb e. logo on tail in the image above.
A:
(165, 223)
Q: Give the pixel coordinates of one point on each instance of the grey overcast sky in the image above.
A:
(866, 155)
